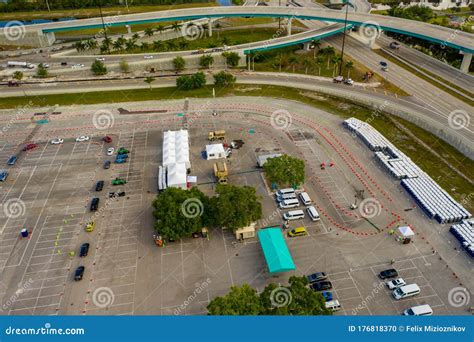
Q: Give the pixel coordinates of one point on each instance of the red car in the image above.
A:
(29, 147)
(107, 139)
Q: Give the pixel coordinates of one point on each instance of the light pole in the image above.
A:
(103, 27)
(343, 37)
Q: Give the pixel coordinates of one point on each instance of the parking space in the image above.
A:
(126, 273)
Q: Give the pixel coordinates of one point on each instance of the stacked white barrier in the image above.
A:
(464, 232)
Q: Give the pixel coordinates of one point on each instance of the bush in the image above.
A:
(98, 68)
(224, 79)
(186, 82)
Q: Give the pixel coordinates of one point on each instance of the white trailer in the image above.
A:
(13, 64)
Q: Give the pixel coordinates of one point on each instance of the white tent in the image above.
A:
(177, 176)
(406, 232)
(176, 148)
(215, 151)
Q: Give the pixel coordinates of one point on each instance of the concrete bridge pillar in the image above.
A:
(306, 46)
(288, 27)
(210, 27)
(466, 62)
(129, 29)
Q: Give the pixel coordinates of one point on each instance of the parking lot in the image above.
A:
(126, 273)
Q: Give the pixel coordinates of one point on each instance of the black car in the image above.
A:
(79, 273)
(321, 286)
(116, 194)
(390, 273)
(99, 186)
(318, 276)
(94, 204)
(107, 164)
(84, 250)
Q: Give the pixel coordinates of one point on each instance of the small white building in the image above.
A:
(215, 151)
(177, 176)
(245, 232)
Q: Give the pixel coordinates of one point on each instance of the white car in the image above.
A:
(57, 141)
(148, 57)
(78, 66)
(110, 151)
(100, 59)
(395, 283)
(228, 152)
(82, 138)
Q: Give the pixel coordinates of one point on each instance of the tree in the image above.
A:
(235, 207)
(179, 63)
(130, 45)
(179, 212)
(160, 28)
(240, 301)
(124, 67)
(41, 72)
(318, 61)
(158, 45)
(285, 170)
(307, 63)
(225, 41)
(149, 80)
(135, 36)
(182, 43)
(295, 299)
(149, 32)
(317, 44)
(349, 66)
(206, 61)
(335, 61)
(80, 46)
(186, 82)
(224, 79)
(98, 68)
(117, 45)
(293, 60)
(231, 58)
(18, 75)
(176, 26)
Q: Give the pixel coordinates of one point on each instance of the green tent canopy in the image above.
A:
(276, 252)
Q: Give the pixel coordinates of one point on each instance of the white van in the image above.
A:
(305, 198)
(293, 215)
(286, 197)
(406, 291)
(313, 213)
(282, 192)
(289, 203)
(419, 310)
(333, 305)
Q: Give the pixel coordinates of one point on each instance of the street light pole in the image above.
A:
(343, 37)
(103, 26)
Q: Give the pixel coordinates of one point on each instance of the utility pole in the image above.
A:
(103, 26)
(343, 37)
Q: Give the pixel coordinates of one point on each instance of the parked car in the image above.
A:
(99, 185)
(90, 226)
(119, 181)
(3, 175)
(315, 277)
(12, 160)
(79, 273)
(29, 147)
(110, 151)
(395, 283)
(116, 194)
(300, 231)
(122, 150)
(327, 295)
(321, 286)
(236, 144)
(82, 138)
(107, 164)
(94, 204)
(120, 160)
(228, 152)
(390, 273)
(84, 250)
(107, 139)
(57, 141)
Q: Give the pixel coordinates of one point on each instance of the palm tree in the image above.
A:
(157, 45)
(130, 45)
(349, 66)
(225, 41)
(182, 43)
(293, 60)
(117, 45)
(160, 28)
(318, 61)
(335, 60)
(135, 36)
(149, 32)
(149, 80)
(170, 44)
(317, 44)
(144, 46)
(176, 26)
(91, 44)
(80, 46)
(307, 63)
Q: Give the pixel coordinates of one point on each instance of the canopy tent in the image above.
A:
(177, 176)
(176, 148)
(215, 151)
(406, 232)
(276, 252)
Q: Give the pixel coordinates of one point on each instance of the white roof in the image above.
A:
(177, 175)
(406, 231)
(215, 149)
(176, 147)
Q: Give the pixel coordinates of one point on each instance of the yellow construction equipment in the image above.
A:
(221, 173)
(216, 135)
